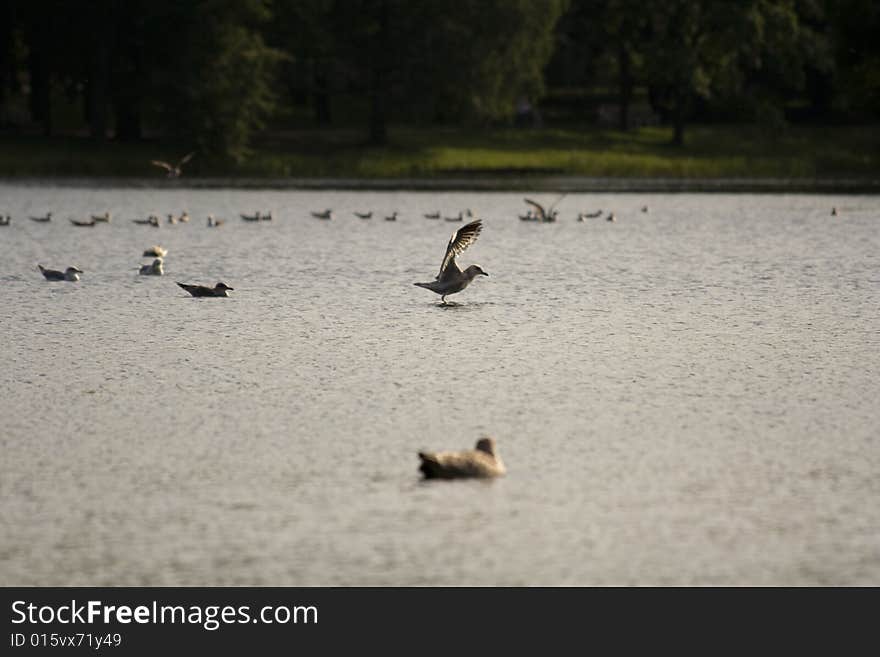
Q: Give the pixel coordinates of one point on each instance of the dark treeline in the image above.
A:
(214, 72)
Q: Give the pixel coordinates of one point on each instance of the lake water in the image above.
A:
(687, 396)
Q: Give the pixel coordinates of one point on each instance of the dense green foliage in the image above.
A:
(215, 75)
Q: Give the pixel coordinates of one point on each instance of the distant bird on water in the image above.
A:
(154, 269)
(214, 223)
(363, 215)
(451, 278)
(184, 218)
(326, 214)
(611, 217)
(101, 218)
(175, 170)
(482, 462)
(589, 215)
(432, 215)
(250, 217)
(156, 252)
(219, 290)
(152, 220)
(460, 217)
(392, 217)
(834, 212)
(43, 220)
(76, 222)
(644, 208)
(69, 274)
(5, 221)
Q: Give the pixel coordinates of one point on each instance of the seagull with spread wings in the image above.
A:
(542, 214)
(451, 278)
(174, 171)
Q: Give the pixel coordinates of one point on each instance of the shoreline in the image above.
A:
(560, 184)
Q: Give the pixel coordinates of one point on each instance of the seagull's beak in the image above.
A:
(485, 274)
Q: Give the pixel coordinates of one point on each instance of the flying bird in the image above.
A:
(176, 170)
(218, 290)
(482, 461)
(451, 278)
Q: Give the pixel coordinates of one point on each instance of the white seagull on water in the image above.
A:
(451, 278)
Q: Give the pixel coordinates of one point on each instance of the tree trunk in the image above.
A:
(678, 119)
(322, 96)
(625, 84)
(41, 96)
(99, 88)
(379, 81)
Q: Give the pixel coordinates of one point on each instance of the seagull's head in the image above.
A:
(473, 271)
(486, 444)
(223, 286)
(73, 270)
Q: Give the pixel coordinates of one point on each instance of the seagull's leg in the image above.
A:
(443, 299)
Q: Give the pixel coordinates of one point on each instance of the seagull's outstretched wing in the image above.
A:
(186, 158)
(460, 240)
(160, 163)
(537, 206)
(556, 202)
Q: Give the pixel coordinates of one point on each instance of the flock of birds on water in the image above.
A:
(481, 462)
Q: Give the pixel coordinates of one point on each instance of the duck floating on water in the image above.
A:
(154, 269)
(482, 462)
(219, 290)
(43, 220)
(156, 251)
(69, 274)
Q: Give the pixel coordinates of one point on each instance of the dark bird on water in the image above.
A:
(69, 274)
(219, 290)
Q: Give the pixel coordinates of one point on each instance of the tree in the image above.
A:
(216, 80)
(753, 49)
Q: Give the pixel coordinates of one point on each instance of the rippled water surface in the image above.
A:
(685, 396)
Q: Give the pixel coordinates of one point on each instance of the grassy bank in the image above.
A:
(710, 152)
